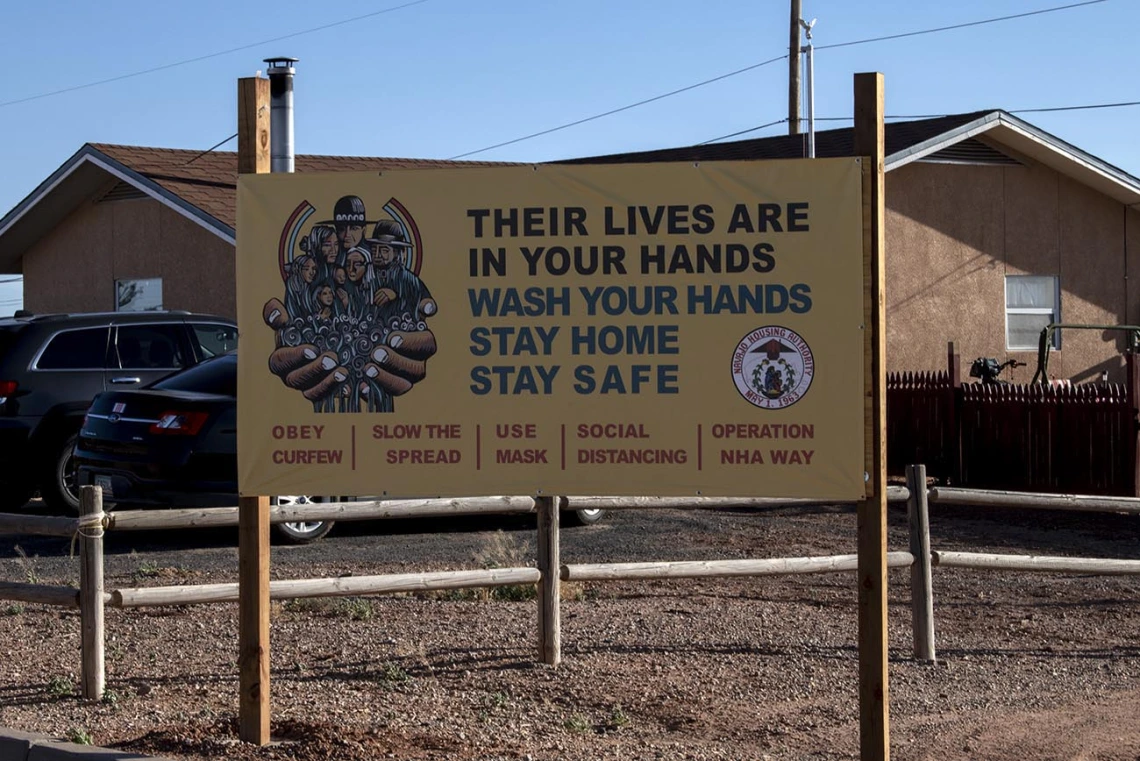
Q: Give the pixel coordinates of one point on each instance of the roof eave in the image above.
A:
(91, 156)
(1036, 144)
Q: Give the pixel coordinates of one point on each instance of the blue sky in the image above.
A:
(444, 77)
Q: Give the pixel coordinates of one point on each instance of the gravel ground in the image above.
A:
(1030, 666)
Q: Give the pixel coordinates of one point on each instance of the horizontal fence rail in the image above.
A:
(894, 494)
(697, 569)
(36, 525)
(67, 597)
(345, 586)
(1073, 502)
(1035, 563)
(217, 517)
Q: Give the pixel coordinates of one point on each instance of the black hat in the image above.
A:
(349, 210)
(389, 233)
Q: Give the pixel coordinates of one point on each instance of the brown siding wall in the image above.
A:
(954, 233)
(74, 268)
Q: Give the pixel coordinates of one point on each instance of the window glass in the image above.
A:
(1031, 303)
(214, 340)
(149, 347)
(75, 350)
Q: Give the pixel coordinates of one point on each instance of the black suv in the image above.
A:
(53, 365)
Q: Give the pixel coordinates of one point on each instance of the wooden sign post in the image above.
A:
(253, 512)
(874, 724)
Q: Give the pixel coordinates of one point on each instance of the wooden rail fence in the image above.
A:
(90, 597)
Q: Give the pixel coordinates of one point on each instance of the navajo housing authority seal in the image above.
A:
(772, 367)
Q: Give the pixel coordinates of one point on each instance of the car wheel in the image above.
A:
(302, 532)
(60, 489)
(583, 517)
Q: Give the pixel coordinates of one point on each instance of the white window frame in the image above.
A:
(1054, 312)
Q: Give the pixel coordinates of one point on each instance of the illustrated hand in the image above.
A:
(383, 296)
(305, 368)
(402, 361)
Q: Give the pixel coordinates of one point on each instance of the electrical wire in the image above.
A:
(743, 131)
(1051, 109)
(770, 61)
(623, 108)
(213, 147)
(957, 26)
(208, 56)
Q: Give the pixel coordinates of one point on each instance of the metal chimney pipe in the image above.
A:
(281, 73)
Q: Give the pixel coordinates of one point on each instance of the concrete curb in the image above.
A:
(28, 746)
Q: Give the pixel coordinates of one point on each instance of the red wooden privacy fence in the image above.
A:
(1064, 439)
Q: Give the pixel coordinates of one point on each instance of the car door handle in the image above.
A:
(126, 380)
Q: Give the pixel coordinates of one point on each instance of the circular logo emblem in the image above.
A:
(772, 367)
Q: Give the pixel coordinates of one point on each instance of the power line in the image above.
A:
(623, 108)
(957, 26)
(211, 148)
(743, 132)
(770, 61)
(208, 56)
(12, 280)
(1050, 109)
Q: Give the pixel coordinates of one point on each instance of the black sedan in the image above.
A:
(173, 444)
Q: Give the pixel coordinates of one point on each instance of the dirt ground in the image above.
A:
(1029, 666)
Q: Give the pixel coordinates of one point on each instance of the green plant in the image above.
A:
(618, 718)
(309, 605)
(357, 609)
(80, 737)
(31, 573)
(577, 723)
(391, 673)
(13, 609)
(514, 592)
(499, 700)
(147, 569)
(110, 697)
(60, 687)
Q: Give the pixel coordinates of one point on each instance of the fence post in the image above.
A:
(953, 434)
(550, 585)
(921, 588)
(91, 590)
(1133, 390)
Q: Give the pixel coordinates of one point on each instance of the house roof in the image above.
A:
(832, 143)
(202, 186)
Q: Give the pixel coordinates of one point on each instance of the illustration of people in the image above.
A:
(302, 274)
(352, 334)
(323, 301)
(397, 290)
(349, 221)
(322, 244)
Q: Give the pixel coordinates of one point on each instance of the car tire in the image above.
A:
(583, 517)
(59, 488)
(303, 532)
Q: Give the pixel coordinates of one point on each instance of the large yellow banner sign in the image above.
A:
(653, 329)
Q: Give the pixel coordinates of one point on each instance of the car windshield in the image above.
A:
(214, 376)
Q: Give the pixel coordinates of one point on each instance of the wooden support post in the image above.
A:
(874, 724)
(921, 585)
(253, 512)
(253, 622)
(253, 125)
(550, 585)
(91, 590)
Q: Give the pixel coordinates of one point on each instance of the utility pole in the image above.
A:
(794, 83)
